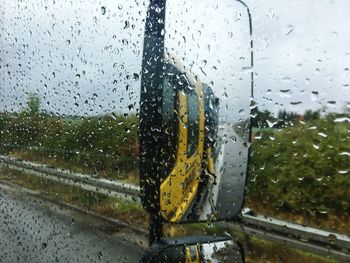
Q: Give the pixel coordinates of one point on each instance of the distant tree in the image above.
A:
(311, 115)
(33, 104)
(260, 118)
(286, 118)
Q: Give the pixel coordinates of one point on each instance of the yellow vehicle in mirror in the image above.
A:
(188, 149)
(193, 253)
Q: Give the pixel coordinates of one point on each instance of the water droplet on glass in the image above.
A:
(322, 134)
(126, 25)
(103, 10)
(332, 238)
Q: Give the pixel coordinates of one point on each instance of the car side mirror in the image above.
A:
(196, 92)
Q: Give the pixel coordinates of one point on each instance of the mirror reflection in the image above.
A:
(207, 88)
(201, 249)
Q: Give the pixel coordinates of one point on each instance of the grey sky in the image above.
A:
(70, 53)
(302, 53)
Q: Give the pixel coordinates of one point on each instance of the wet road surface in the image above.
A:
(32, 230)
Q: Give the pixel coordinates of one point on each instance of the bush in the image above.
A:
(99, 144)
(303, 167)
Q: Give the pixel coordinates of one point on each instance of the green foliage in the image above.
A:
(310, 115)
(33, 104)
(106, 144)
(286, 119)
(22, 130)
(304, 167)
(90, 198)
(260, 118)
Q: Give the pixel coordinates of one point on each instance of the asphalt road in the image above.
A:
(32, 230)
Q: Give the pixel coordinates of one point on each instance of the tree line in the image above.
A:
(105, 144)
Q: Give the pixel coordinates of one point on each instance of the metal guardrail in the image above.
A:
(306, 238)
(317, 241)
(104, 186)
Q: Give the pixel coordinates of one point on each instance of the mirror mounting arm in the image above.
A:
(155, 229)
(149, 112)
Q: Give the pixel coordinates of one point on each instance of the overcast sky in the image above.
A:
(84, 57)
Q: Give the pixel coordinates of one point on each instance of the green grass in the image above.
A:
(116, 208)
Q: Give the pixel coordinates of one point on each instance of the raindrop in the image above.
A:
(322, 134)
(103, 10)
(99, 254)
(289, 30)
(127, 24)
(316, 146)
(284, 90)
(314, 95)
(344, 119)
(271, 124)
(331, 103)
(247, 69)
(158, 9)
(332, 238)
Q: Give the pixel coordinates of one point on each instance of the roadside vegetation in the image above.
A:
(300, 171)
(299, 164)
(299, 167)
(105, 146)
(126, 211)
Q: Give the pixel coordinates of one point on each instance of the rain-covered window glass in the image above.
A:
(70, 74)
(254, 106)
(300, 140)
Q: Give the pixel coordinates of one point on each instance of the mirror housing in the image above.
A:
(220, 249)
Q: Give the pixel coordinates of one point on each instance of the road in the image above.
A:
(32, 230)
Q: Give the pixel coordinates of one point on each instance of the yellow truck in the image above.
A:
(190, 120)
